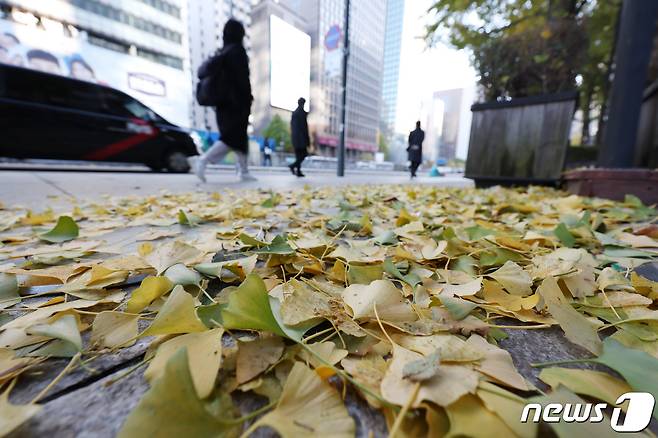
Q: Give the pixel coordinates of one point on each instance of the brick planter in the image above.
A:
(614, 183)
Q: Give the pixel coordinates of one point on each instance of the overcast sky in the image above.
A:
(425, 70)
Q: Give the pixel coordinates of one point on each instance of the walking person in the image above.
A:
(415, 148)
(267, 152)
(224, 84)
(299, 136)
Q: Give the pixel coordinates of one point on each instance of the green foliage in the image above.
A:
(65, 229)
(523, 48)
(279, 130)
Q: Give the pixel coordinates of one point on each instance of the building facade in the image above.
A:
(261, 60)
(325, 22)
(452, 109)
(205, 23)
(441, 119)
(137, 46)
(391, 64)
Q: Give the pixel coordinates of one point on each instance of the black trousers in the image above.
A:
(300, 154)
(414, 167)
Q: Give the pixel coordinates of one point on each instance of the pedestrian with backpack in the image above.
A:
(224, 84)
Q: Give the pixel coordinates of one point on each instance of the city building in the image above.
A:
(205, 23)
(138, 46)
(391, 64)
(453, 101)
(280, 61)
(325, 24)
(441, 119)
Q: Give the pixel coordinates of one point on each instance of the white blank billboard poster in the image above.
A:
(290, 65)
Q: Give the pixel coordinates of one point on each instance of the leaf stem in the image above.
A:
(252, 414)
(403, 412)
(521, 327)
(346, 376)
(59, 377)
(129, 371)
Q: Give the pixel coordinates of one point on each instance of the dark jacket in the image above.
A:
(299, 130)
(415, 148)
(233, 116)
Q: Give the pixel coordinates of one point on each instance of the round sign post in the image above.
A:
(332, 37)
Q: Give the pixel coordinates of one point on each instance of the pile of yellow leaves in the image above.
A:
(400, 293)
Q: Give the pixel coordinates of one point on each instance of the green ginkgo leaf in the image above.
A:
(249, 308)
(8, 290)
(411, 279)
(172, 407)
(279, 245)
(65, 229)
(188, 219)
(637, 367)
(565, 236)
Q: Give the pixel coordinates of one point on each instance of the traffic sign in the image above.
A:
(332, 37)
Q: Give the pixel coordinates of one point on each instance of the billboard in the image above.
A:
(290, 65)
(166, 90)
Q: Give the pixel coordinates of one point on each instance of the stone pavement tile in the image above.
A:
(96, 410)
(36, 379)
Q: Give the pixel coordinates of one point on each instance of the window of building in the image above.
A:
(121, 16)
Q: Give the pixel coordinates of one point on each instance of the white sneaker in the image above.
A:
(199, 168)
(245, 177)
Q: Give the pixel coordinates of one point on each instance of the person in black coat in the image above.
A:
(233, 114)
(415, 148)
(299, 136)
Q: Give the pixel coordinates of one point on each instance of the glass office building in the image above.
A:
(325, 24)
(391, 65)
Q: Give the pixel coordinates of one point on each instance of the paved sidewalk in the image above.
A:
(39, 189)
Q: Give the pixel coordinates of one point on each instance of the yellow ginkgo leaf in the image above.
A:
(514, 279)
(492, 292)
(576, 327)
(497, 364)
(451, 347)
(204, 354)
(151, 289)
(326, 350)
(508, 406)
(391, 305)
(172, 253)
(64, 328)
(256, 356)
(12, 416)
(113, 329)
(308, 407)
(597, 384)
(176, 316)
(469, 417)
(449, 384)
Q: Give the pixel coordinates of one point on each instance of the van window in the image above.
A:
(34, 87)
(120, 104)
(77, 95)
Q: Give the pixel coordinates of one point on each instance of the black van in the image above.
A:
(54, 117)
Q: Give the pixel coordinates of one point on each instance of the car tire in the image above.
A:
(175, 161)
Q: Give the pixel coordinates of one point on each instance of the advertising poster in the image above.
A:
(166, 90)
(290, 65)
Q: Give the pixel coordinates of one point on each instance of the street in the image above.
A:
(38, 188)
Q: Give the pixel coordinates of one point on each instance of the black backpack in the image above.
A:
(212, 89)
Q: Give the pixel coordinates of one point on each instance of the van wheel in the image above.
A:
(176, 161)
